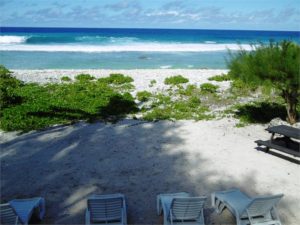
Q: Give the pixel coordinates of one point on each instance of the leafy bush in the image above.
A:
(220, 78)
(177, 111)
(158, 114)
(241, 88)
(175, 106)
(175, 80)
(276, 64)
(84, 77)
(8, 84)
(189, 90)
(152, 83)
(65, 78)
(194, 102)
(143, 96)
(119, 105)
(116, 79)
(65, 103)
(208, 88)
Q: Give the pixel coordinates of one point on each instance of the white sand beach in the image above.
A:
(142, 77)
(66, 164)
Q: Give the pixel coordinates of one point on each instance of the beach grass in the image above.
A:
(40, 106)
(175, 80)
(220, 78)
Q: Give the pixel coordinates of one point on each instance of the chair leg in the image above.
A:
(87, 217)
(158, 205)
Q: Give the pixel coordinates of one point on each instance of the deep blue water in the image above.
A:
(70, 48)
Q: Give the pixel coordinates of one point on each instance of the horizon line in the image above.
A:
(139, 28)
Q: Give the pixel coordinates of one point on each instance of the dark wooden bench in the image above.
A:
(285, 143)
(269, 145)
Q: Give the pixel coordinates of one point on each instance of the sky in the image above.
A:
(189, 14)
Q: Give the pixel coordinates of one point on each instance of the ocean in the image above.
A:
(110, 48)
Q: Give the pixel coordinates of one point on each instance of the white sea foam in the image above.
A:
(210, 42)
(137, 47)
(8, 39)
(166, 67)
(107, 39)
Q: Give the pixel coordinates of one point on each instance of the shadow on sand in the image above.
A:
(66, 164)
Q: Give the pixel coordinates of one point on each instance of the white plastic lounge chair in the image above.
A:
(21, 210)
(259, 210)
(8, 215)
(181, 208)
(106, 209)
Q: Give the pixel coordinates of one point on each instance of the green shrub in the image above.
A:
(65, 78)
(8, 86)
(143, 96)
(241, 88)
(175, 80)
(84, 77)
(158, 114)
(64, 103)
(119, 105)
(208, 88)
(177, 107)
(152, 83)
(194, 101)
(220, 78)
(179, 110)
(276, 64)
(189, 90)
(116, 79)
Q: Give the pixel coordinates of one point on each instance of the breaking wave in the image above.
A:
(8, 39)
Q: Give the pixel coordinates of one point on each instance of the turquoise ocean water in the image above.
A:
(84, 48)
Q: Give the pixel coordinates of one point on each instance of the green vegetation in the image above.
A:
(166, 108)
(189, 90)
(208, 88)
(265, 80)
(276, 65)
(240, 88)
(116, 79)
(8, 84)
(45, 105)
(259, 112)
(220, 78)
(118, 82)
(84, 77)
(66, 79)
(177, 104)
(175, 80)
(143, 96)
(152, 83)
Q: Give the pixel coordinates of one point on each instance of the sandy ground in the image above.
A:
(142, 77)
(66, 164)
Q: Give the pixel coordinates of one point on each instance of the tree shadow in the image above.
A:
(117, 108)
(262, 112)
(66, 164)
